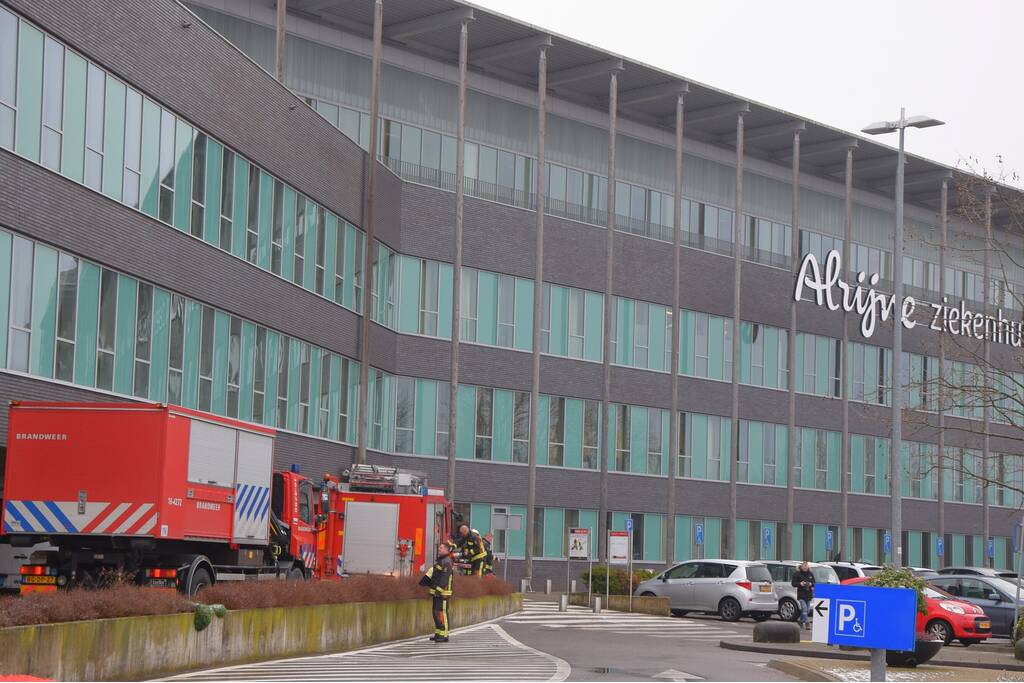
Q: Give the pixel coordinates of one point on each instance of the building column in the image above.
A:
(943, 227)
(986, 420)
(538, 289)
(280, 27)
(737, 253)
(460, 200)
(606, 388)
(791, 441)
(371, 232)
(673, 423)
(844, 373)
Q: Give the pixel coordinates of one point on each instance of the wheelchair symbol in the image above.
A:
(850, 618)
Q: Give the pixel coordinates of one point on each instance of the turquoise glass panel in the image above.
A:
(183, 175)
(424, 442)
(834, 441)
(149, 184)
(28, 123)
(657, 341)
(517, 539)
(288, 234)
(334, 400)
(742, 540)
(240, 214)
(311, 426)
(638, 439)
(294, 378)
(349, 298)
(5, 293)
(73, 146)
(698, 447)
(193, 333)
(626, 324)
(214, 168)
(771, 357)
(444, 304)
(588, 520)
(221, 339)
(86, 323)
(409, 295)
(309, 277)
(653, 537)
(113, 140)
(523, 334)
(124, 339)
(159, 346)
(245, 376)
(558, 343)
(501, 443)
(465, 431)
(683, 538)
(687, 338)
(44, 311)
(573, 432)
(712, 537)
(487, 308)
(554, 529)
(781, 455)
(480, 517)
(593, 326)
(270, 398)
(755, 452)
(266, 208)
(821, 369)
(330, 252)
(746, 340)
(542, 429)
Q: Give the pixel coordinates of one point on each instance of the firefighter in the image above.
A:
(439, 579)
(471, 547)
(489, 559)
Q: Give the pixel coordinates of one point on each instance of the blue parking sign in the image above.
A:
(940, 546)
(828, 540)
(698, 534)
(766, 537)
(991, 548)
(629, 524)
(887, 543)
(868, 616)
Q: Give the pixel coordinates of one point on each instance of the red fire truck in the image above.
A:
(181, 499)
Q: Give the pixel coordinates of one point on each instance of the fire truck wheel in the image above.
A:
(200, 579)
(296, 574)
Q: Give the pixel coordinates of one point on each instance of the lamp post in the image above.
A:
(896, 445)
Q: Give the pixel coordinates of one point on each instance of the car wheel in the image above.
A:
(648, 594)
(941, 630)
(679, 612)
(296, 574)
(729, 609)
(761, 616)
(199, 580)
(788, 610)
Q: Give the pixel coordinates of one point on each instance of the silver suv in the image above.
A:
(730, 588)
(782, 577)
(853, 570)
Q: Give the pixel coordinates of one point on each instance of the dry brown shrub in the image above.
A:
(82, 604)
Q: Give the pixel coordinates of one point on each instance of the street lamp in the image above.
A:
(896, 446)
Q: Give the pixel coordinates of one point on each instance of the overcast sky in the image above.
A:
(841, 63)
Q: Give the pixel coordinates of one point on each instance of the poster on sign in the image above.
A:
(579, 544)
(618, 547)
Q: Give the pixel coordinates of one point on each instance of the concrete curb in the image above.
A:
(136, 648)
(850, 656)
(799, 671)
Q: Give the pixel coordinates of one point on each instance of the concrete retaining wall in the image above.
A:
(136, 648)
(620, 603)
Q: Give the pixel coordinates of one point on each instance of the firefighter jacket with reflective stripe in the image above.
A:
(439, 577)
(472, 547)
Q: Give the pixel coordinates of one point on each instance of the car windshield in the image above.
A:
(936, 594)
(824, 575)
(758, 572)
(870, 571)
(1006, 586)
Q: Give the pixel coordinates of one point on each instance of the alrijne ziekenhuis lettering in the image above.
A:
(873, 306)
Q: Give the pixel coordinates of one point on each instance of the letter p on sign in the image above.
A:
(850, 616)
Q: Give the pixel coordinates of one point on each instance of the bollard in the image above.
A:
(597, 604)
(547, 587)
(524, 585)
(563, 603)
(572, 586)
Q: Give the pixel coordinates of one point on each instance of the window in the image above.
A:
(441, 425)
(95, 103)
(252, 225)
(206, 343)
(176, 350)
(622, 438)
(277, 229)
(577, 314)
(468, 316)
(339, 263)
(484, 422)
(143, 339)
(684, 466)
(357, 277)
(306, 502)
(21, 304)
(53, 104)
(320, 256)
(654, 441)
(324, 411)
(259, 375)
(506, 310)
(405, 417)
(343, 398)
(641, 334)
(132, 149)
(67, 294)
(234, 365)
(8, 76)
(591, 434)
(538, 532)
(299, 260)
(198, 184)
(227, 199)
(107, 330)
(283, 363)
(556, 431)
(545, 318)
(429, 286)
(521, 427)
(167, 163)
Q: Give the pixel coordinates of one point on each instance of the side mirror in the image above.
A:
(994, 596)
(664, 578)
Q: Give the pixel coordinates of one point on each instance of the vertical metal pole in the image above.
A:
(986, 419)
(943, 228)
(281, 27)
(538, 290)
(877, 664)
(371, 233)
(844, 373)
(629, 574)
(791, 437)
(460, 200)
(896, 447)
(737, 253)
(673, 421)
(606, 387)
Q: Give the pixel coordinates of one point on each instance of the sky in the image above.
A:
(845, 64)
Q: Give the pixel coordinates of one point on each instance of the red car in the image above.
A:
(948, 618)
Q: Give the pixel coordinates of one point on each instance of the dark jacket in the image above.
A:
(438, 577)
(472, 546)
(804, 584)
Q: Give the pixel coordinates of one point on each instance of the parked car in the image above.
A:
(979, 571)
(729, 588)
(923, 572)
(993, 594)
(948, 617)
(852, 570)
(782, 574)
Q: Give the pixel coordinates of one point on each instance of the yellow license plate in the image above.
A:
(766, 589)
(39, 579)
(984, 624)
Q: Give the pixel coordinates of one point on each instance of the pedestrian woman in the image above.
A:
(803, 581)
